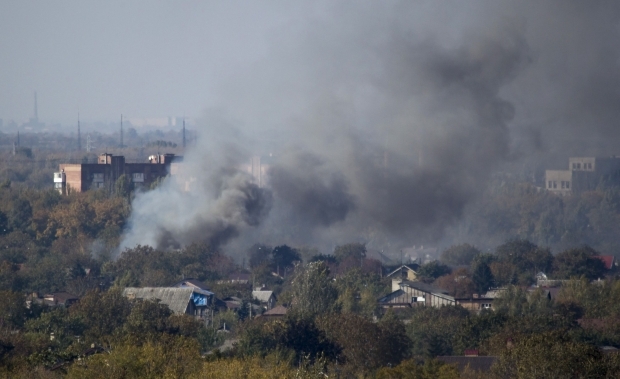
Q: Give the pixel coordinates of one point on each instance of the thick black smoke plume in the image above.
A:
(386, 120)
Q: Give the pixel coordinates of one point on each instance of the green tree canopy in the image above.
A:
(123, 186)
(458, 255)
(259, 254)
(482, 277)
(313, 291)
(433, 270)
(578, 262)
(355, 251)
(528, 258)
(284, 256)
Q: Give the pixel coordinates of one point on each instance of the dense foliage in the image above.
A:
(334, 326)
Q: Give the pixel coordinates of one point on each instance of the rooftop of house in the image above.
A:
(60, 297)
(262, 295)
(608, 260)
(191, 282)
(176, 298)
(239, 276)
(391, 295)
(276, 311)
(409, 267)
(421, 286)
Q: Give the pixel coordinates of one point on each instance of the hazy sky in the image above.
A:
(142, 58)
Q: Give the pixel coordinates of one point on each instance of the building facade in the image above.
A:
(583, 174)
(181, 300)
(416, 294)
(104, 174)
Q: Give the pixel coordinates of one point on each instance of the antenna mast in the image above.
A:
(79, 136)
(36, 111)
(121, 130)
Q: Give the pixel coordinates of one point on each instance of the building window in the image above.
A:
(98, 178)
(567, 185)
(574, 166)
(486, 306)
(137, 177)
(589, 166)
(578, 166)
(555, 184)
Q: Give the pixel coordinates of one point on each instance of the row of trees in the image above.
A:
(464, 270)
(521, 210)
(527, 331)
(330, 327)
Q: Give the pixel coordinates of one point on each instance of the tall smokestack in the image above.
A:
(184, 132)
(121, 131)
(79, 136)
(36, 110)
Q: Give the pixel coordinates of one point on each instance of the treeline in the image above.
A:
(464, 270)
(506, 210)
(521, 210)
(50, 242)
(333, 327)
(108, 335)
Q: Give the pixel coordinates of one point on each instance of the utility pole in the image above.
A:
(183, 132)
(79, 136)
(36, 110)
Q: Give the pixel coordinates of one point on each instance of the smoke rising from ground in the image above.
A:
(210, 203)
(386, 120)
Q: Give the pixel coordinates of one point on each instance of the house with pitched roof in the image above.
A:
(277, 312)
(266, 298)
(412, 293)
(180, 300)
(191, 283)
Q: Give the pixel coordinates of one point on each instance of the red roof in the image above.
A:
(607, 259)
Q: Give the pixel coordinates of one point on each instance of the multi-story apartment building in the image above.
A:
(583, 174)
(103, 174)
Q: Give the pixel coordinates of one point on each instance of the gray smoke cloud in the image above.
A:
(313, 191)
(210, 200)
(386, 120)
